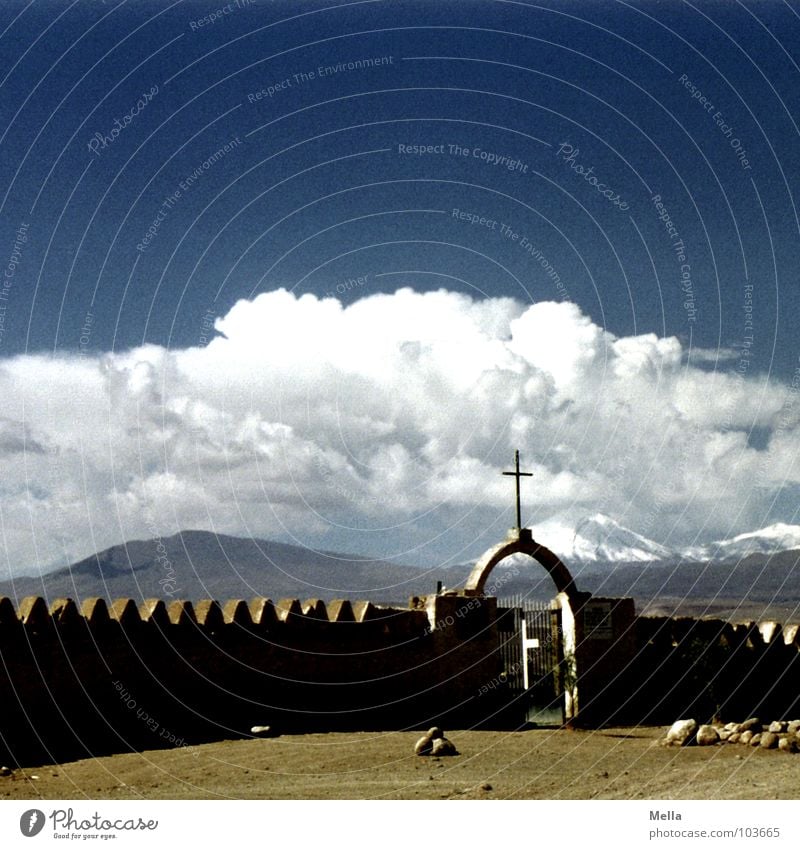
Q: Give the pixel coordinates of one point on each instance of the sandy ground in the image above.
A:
(621, 763)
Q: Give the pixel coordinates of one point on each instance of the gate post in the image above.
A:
(598, 635)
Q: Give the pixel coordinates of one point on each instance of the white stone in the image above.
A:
(423, 745)
(769, 740)
(442, 747)
(682, 731)
(777, 727)
(707, 735)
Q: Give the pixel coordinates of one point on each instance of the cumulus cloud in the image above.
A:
(398, 411)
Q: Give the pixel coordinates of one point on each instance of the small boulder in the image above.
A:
(755, 740)
(682, 731)
(793, 727)
(745, 737)
(423, 745)
(734, 738)
(263, 731)
(777, 727)
(5, 771)
(442, 747)
(788, 744)
(724, 734)
(707, 735)
(435, 733)
(753, 724)
(769, 740)
(732, 726)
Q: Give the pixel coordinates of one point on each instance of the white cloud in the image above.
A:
(399, 410)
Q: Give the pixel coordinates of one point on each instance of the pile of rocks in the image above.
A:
(434, 743)
(783, 734)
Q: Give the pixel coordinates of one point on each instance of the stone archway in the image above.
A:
(521, 542)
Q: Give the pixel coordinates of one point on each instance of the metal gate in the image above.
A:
(532, 658)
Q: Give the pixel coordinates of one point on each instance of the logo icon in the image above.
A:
(31, 822)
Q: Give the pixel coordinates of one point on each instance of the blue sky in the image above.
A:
(635, 163)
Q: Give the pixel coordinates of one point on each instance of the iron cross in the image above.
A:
(518, 474)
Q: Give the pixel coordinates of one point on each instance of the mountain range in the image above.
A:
(599, 539)
(605, 558)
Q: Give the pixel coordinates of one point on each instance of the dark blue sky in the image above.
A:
(165, 164)
(695, 103)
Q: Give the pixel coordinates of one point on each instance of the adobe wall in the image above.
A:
(80, 682)
(699, 667)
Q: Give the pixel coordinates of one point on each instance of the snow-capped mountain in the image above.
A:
(778, 537)
(600, 539)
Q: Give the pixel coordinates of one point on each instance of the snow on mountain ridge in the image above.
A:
(598, 538)
(601, 539)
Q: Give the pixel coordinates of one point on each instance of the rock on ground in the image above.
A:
(682, 731)
(769, 740)
(423, 745)
(442, 747)
(263, 731)
(433, 742)
(707, 735)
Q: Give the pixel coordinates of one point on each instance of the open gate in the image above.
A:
(532, 658)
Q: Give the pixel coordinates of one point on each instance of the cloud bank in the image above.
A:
(303, 417)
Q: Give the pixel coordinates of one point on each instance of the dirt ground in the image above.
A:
(615, 763)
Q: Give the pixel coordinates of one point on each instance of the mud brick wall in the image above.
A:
(76, 682)
(702, 667)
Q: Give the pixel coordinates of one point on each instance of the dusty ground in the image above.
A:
(622, 763)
